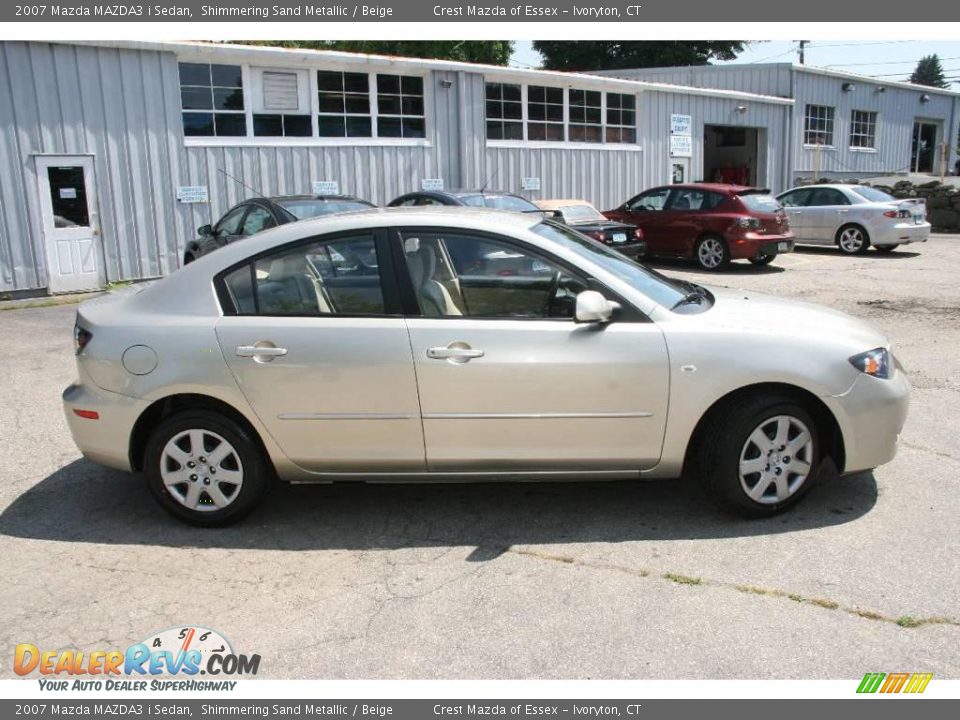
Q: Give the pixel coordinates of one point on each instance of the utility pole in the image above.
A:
(803, 45)
(943, 160)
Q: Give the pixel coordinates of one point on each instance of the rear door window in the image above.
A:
(760, 203)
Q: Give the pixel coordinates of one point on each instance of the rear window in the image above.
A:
(500, 202)
(872, 194)
(303, 209)
(760, 203)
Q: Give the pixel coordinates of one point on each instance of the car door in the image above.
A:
(798, 214)
(829, 210)
(319, 348)
(228, 229)
(508, 381)
(649, 212)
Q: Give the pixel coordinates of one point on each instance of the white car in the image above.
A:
(854, 217)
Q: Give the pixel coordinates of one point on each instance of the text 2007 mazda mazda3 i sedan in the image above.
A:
(425, 344)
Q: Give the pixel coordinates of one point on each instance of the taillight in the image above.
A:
(638, 234)
(80, 338)
(748, 222)
(897, 214)
(599, 235)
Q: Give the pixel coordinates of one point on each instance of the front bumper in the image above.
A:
(871, 415)
(748, 245)
(106, 439)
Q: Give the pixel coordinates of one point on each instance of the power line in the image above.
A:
(793, 49)
(886, 62)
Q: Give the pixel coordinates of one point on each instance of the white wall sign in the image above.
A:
(681, 124)
(681, 146)
(431, 184)
(530, 183)
(68, 193)
(192, 194)
(326, 187)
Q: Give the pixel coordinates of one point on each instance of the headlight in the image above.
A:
(874, 362)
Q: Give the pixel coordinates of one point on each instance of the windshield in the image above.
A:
(309, 208)
(574, 214)
(872, 194)
(499, 202)
(760, 203)
(655, 286)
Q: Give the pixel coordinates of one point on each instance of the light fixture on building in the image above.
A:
(741, 109)
(446, 84)
(881, 89)
(847, 87)
(924, 98)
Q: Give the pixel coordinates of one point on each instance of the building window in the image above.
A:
(211, 98)
(863, 129)
(281, 104)
(621, 118)
(400, 106)
(545, 113)
(586, 116)
(344, 104)
(504, 112)
(818, 125)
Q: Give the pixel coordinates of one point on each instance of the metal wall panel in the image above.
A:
(765, 79)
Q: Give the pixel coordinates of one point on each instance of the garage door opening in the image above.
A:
(732, 155)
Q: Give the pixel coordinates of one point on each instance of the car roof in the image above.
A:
(722, 188)
(322, 198)
(557, 204)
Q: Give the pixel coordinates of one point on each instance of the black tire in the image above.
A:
(700, 255)
(886, 249)
(849, 246)
(760, 259)
(254, 468)
(717, 459)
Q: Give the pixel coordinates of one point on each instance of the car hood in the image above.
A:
(747, 311)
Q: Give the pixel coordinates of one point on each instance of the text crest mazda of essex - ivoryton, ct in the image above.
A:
(420, 344)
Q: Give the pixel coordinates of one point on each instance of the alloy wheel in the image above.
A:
(201, 470)
(852, 240)
(776, 459)
(710, 253)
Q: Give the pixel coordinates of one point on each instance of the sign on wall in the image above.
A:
(326, 187)
(192, 194)
(530, 183)
(681, 146)
(681, 124)
(431, 184)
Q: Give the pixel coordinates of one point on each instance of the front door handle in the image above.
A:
(455, 352)
(260, 351)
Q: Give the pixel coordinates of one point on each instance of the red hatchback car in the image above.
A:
(711, 224)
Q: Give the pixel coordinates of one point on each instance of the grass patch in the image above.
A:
(827, 604)
(908, 621)
(682, 579)
(868, 614)
(795, 597)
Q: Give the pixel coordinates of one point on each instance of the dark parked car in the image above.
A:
(472, 198)
(711, 224)
(585, 218)
(258, 214)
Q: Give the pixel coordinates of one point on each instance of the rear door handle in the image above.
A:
(456, 352)
(260, 351)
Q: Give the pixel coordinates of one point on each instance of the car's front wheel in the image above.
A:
(761, 457)
(853, 240)
(711, 253)
(205, 468)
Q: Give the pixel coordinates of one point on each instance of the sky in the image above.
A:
(891, 59)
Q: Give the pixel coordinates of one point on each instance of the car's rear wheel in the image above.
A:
(853, 239)
(886, 248)
(763, 259)
(761, 457)
(205, 468)
(711, 253)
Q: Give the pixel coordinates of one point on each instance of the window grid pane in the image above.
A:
(344, 102)
(400, 106)
(545, 113)
(504, 112)
(621, 118)
(217, 91)
(818, 125)
(863, 129)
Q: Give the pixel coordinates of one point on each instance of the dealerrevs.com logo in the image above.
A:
(182, 651)
(899, 682)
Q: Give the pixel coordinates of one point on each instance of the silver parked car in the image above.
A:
(425, 344)
(854, 217)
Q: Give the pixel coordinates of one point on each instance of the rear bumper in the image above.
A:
(900, 234)
(633, 250)
(750, 245)
(105, 439)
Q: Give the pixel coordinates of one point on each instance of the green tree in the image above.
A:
(621, 54)
(929, 72)
(488, 52)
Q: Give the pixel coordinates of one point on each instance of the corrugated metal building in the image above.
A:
(842, 124)
(113, 153)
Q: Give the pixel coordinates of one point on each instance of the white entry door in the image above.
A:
(71, 227)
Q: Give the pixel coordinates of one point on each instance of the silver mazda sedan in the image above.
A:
(432, 344)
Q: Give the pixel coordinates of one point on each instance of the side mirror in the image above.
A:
(592, 307)
(205, 230)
